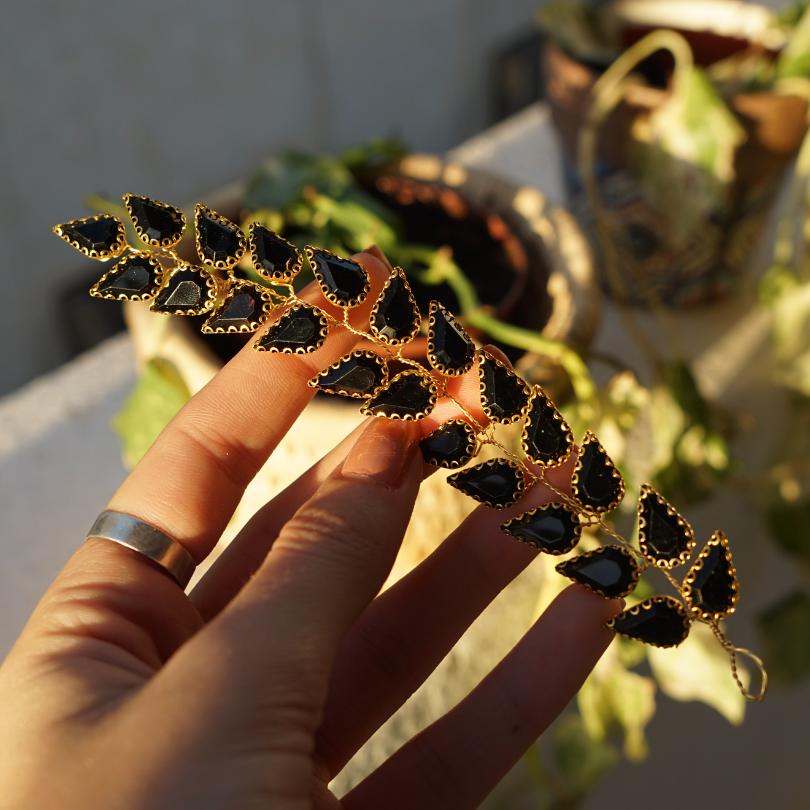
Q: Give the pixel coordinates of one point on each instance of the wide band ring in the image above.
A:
(133, 533)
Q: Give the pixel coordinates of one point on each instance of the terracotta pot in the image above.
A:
(709, 263)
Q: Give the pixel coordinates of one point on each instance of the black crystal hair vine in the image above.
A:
(709, 591)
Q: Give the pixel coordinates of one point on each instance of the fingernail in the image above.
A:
(375, 251)
(382, 453)
(493, 350)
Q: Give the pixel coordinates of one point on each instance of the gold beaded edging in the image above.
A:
(648, 605)
(167, 241)
(469, 450)
(482, 356)
(509, 527)
(537, 394)
(274, 278)
(456, 480)
(397, 274)
(648, 492)
(315, 382)
(589, 555)
(210, 283)
(201, 210)
(435, 307)
(718, 538)
(322, 333)
(243, 328)
(116, 249)
(154, 286)
(330, 296)
(590, 438)
(428, 384)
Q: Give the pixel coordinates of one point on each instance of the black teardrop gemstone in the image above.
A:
(395, 316)
(553, 528)
(664, 536)
(410, 395)
(661, 621)
(136, 277)
(450, 445)
(244, 309)
(504, 395)
(274, 257)
(711, 585)
(300, 330)
(450, 349)
(497, 482)
(187, 291)
(356, 375)
(547, 439)
(156, 223)
(596, 482)
(609, 571)
(99, 237)
(343, 281)
(220, 243)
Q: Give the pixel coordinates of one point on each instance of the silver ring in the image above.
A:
(133, 533)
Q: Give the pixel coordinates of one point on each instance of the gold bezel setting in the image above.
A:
(459, 480)
(443, 368)
(316, 381)
(718, 538)
(539, 394)
(115, 249)
(590, 439)
(469, 451)
(166, 241)
(274, 278)
(210, 285)
(509, 526)
(201, 210)
(329, 294)
(646, 493)
(134, 255)
(301, 306)
(486, 406)
(648, 605)
(427, 382)
(398, 274)
(595, 554)
(232, 329)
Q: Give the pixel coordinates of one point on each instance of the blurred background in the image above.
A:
(615, 193)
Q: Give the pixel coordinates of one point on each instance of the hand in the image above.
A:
(256, 688)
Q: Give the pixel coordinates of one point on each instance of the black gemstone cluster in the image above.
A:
(393, 386)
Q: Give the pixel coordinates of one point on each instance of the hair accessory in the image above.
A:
(394, 386)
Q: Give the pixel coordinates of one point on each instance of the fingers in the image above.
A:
(457, 761)
(279, 634)
(247, 550)
(405, 633)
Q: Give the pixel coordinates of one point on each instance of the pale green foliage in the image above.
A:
(159, 393)
(698, 669)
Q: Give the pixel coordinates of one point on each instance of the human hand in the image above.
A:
(255, 689)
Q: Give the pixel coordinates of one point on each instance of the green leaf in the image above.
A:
(698, 669)
(683, 154)
(374, 154)
(785, 630)
(158, 395)
(614, 697)
(794, 60)
(580, 759)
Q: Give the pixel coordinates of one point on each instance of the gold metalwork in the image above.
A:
(649, 604)
(316, 381)
(469, 450)
(590, 438)
(435, 307)
(484, 356)
(648, 492)
(208, 280)
(166, 242)
(157, 280)
(201, 210)
(560, 568)
(509, 526)
(238, 287)
(480, 433)
(290, 271)
(717, 539)
(327, 293)
(397, 274)
(116, 249)
(520, 481)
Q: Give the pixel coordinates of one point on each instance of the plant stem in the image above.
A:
(444, 269)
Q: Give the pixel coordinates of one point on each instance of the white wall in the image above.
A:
(172, 100)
